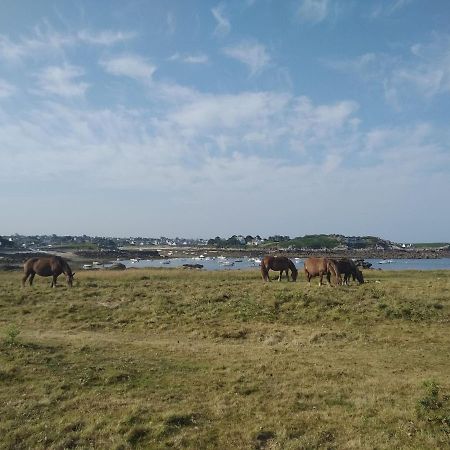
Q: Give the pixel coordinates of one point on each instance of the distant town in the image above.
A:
(17, 242)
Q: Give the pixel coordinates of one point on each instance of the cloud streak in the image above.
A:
(423, 71)
(250, 53)
(45, 41)
(129, 65)
(61, 81)
(6, 89)
(313, 11)
(223, 25)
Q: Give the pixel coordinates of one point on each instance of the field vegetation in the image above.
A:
(169, 358)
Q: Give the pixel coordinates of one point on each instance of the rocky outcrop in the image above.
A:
(192, 266)
(117, 266)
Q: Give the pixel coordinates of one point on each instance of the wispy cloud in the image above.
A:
(106, 38)
(250, 53)
(196, 58)
(6, 89)
(223, 26)
(129, 65)
(47, 40)
(388, 9)
(222, 145)
(423, 71)
(62, 81)
(313, 11)
(171, 22)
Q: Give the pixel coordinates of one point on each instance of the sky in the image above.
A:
(201, 118)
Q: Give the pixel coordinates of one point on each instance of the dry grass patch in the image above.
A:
(169, 358)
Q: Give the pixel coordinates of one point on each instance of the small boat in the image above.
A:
(96, 263)
(385, 261)
(227, 263)
(87, 266)
(134, 260)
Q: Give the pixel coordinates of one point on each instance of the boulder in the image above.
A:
(117, 266)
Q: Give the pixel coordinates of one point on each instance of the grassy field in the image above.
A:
(204, 360)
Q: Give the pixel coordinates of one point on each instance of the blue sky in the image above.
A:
(201, 118)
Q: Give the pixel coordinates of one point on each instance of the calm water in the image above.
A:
(222, 263)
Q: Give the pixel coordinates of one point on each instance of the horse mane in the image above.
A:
(333, 267)
(66, 268)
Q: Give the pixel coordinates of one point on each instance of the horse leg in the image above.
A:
(279, 276)
(54, 281)
(308, 278)
(32, 278)
(24, 278)
(320, 278)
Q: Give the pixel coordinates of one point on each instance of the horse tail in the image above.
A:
(332, 268)
(293, 270)
(264, 270)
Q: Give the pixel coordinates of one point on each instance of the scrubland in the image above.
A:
(170, 358)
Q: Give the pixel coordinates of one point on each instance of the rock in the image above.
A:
(192, 266)
(117, 266)
(363, 264)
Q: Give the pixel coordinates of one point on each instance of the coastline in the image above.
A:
(14, 260)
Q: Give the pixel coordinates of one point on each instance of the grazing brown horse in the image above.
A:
(49, 266)
(318, 267)
(347, 267)
(278, 263)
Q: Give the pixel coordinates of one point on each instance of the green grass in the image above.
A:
(192, 360)
(430, 244)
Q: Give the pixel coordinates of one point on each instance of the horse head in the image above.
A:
(359, 276)
(294, 271)
(69, 278)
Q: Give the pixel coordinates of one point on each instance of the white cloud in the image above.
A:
(6, 89)
(313, 11)
(388, 9)
(196, 58)
(129, 65)
(106, 37)
(61, 80)
(204, 146)
(250, 53)
(242, 112)
(424, 70)
(46, 40)
(223, 26)
(171, 23)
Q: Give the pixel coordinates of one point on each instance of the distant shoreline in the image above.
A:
(13, 260)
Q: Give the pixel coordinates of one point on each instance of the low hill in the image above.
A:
(329, 241)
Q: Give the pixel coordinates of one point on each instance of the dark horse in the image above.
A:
(278, 263)
(347, 267)
(51, 266)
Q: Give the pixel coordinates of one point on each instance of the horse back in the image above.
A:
(277, 263)
(315, 266)
(44, 266)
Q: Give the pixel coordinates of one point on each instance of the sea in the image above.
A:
(227, 263)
